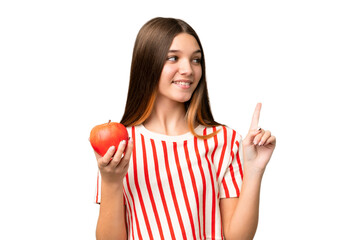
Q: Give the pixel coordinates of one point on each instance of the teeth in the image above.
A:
(183, 83)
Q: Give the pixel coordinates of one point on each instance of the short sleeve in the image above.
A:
(97, 197)
(231, 183)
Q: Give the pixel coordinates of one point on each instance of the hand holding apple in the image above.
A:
(112, 151)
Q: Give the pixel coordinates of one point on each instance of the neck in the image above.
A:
(167, 117)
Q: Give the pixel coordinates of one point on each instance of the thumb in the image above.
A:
(105, 160)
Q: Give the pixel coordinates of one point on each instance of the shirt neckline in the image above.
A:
(176, 138)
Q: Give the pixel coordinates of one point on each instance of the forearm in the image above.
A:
(244, 221)
(111, 222)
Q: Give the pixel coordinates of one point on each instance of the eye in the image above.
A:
(197, 60)
(172, 58)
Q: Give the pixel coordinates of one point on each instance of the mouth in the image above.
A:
(182, 83)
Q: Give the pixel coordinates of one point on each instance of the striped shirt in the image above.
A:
(174, 183)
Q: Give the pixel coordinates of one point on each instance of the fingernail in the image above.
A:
(123, 142)
(112, 148)
(260, 143)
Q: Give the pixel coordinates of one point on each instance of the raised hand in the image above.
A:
(258, 145)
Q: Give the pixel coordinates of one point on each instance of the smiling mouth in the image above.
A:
(182, 83)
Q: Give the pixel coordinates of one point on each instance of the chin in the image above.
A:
(183, 99)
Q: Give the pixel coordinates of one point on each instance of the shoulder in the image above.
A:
(226, 136)
(130, 129)
(224, 131)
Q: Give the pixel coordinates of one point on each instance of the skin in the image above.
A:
(113, 167)
(182, 64)
(258, 147)
(239, 215)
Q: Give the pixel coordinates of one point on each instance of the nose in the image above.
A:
(185, 67)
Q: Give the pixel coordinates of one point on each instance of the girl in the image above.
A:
(182, 175)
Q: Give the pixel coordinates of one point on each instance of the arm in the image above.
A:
(112, 221)
(240, 215)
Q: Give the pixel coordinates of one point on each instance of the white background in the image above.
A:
(64, 68)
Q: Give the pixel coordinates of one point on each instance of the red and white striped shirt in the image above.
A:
(174, 183)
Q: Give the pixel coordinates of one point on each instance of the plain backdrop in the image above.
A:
(64, 68)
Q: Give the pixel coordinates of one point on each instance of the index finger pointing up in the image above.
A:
(255, 118)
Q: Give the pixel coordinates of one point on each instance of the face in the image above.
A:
(182, 70)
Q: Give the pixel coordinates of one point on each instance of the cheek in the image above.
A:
(167, 72)
(198, 74)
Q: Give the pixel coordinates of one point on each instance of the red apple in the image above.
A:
(103, 136)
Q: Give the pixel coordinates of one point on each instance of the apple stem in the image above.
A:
(109, 121)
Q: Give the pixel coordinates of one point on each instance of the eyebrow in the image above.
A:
(175, 51)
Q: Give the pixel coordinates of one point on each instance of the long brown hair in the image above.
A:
(149, 55)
